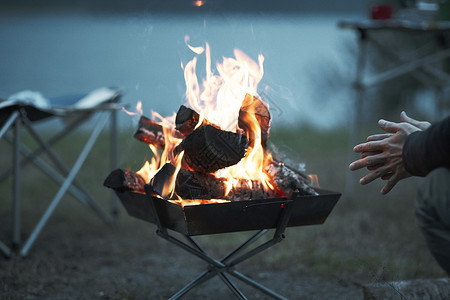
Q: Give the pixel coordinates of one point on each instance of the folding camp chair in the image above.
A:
(19, 113)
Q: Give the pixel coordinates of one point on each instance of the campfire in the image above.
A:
(212, 172)
(214, 149)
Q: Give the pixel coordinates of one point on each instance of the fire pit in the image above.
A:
(215, 173)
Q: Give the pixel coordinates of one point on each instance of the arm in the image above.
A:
(426, 150)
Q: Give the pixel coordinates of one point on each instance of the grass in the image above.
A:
(367, 237)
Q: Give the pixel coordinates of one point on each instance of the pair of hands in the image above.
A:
(382, 153)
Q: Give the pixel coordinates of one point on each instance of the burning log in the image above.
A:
(152, 133)
(187, 119)
(120, 180)
(254, 107)
(289, 180)
(193, 185)
(208, 149)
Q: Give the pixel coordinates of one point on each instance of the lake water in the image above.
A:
(142, 54)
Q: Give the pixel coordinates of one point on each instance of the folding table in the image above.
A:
(424, 64)
(19, 112)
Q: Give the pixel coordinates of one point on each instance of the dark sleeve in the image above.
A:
(427, 150)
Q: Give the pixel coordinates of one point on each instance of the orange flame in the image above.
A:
(169, 186)
(217, 98)
(314, 180)
(138, 112)
(149, 170)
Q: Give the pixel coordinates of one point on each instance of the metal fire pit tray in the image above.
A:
(262, 214)
(231, 216)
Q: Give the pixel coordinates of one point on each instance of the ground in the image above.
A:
(367, 238)
(132, 262)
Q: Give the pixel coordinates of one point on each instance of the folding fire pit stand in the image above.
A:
(227, 263)
(21, 115)
(258, 214)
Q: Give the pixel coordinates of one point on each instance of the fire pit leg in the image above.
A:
(256, 285)
(220, 267)
(205, 276)
(231, 286)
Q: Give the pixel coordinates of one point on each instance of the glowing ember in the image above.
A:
(197, 201)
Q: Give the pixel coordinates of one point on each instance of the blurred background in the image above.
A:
(66, 47)
(69, 47)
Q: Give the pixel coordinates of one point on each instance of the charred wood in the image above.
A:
(150, 132)
(208, 149)
(122, 180)
(186, 120)
(288, 180)
(162, 179)
(193, 185)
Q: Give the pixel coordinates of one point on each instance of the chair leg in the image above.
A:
(114, 153)
(74, 190)
(67, 183)
(33, 155)
(5, 249)
(8, 123)
(16, 184)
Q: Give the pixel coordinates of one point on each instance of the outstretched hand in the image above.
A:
(382, 153)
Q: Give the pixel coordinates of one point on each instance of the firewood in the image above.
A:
(186, 120)
(288, 180)
(208, 149)
(162, 178)
(150, 132)
(252, 106)
(121, 180)
(194, 185)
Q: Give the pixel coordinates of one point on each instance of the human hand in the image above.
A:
(422, 125)
(382, 153)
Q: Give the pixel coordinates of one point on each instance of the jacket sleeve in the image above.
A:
(427, 150)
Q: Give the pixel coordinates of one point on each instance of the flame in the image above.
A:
(314, 180)
(218, 99)
(160, 158)
(138, 112)
(149, 170)
(169, 186)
